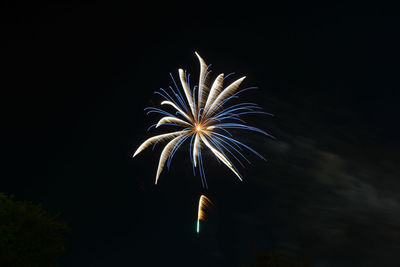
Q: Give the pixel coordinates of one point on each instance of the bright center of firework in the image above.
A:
(198, 127)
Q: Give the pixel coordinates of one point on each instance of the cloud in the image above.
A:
(333, 207)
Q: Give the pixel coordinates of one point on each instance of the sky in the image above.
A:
(75, 81)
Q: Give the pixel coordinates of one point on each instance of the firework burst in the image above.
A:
(204, 114)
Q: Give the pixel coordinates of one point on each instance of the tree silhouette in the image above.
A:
(275, 259)
(29, 236)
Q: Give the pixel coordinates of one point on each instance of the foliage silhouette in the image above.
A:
(29, 235)
(275, 259)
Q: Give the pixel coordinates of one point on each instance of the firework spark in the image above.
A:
(204, 114)
(204, 204)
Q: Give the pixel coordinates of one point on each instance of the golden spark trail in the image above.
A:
(204, 205)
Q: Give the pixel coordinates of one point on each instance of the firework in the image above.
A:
(204, 113)
(204, 204)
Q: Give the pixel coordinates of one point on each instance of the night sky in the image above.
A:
(76, 78)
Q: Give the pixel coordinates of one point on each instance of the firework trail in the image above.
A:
(205, 115)
(204, 205)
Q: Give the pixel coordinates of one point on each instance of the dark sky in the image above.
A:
(75, 81)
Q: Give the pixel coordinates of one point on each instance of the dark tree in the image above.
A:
(29, 236)
(275, 259)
